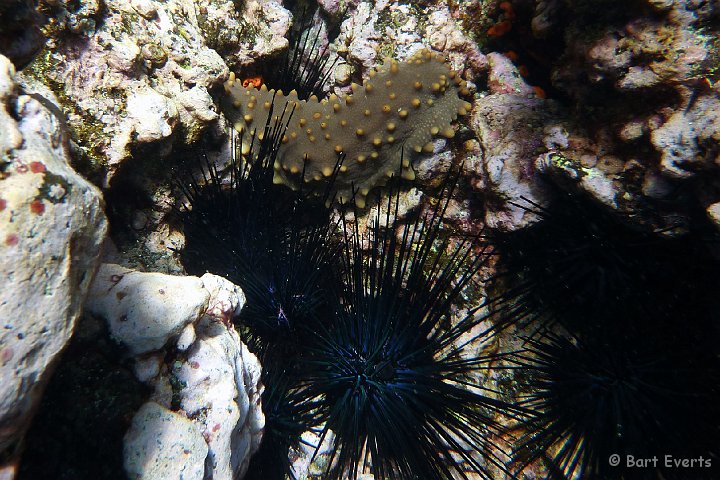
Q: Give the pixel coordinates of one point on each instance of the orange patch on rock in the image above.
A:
(37, 167)
(37, 207)
(256, 82)
(539, 92)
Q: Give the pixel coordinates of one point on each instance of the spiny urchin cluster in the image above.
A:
(355, 332)
(623, 359)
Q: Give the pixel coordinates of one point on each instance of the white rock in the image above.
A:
(162, 444)
(221, 379)
(151, 116)
(148, 368)
(145, 310)
(358, 33)
(123, 54)
(226, 298)
(713, 212)
(146, 8)
(51, 228)
(186, 338)
(216, 380)
(688, 142)
(198, 103)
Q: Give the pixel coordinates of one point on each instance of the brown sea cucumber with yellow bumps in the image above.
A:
(399, 108)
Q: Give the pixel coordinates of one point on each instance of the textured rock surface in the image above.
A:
(220, 385)
(221, 390)
(643, 87)
(145, 310)
(636, 88)
(164, 444)
(242, 36)
(206, 375)
(51, 229)
(512, 129)
(689, 141)
(138, 76)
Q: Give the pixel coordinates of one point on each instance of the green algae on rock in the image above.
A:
(400, 107)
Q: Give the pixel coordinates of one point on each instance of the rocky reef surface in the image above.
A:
(100, 100)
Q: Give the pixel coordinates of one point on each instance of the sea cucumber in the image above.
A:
(398, 109)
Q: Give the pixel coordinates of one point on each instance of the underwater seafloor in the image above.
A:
(401, 240)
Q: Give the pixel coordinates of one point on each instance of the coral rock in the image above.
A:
(145, 86)
(51, 227)
(511, 130)
(221, 389)
(164, 444)
(505, 78)
(215, 381)
(690, 138)
(145, 310)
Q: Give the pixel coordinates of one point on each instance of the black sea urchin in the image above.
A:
(613, 396)
(582, 257)
(634, 372)
(306, 65)
(390, 376)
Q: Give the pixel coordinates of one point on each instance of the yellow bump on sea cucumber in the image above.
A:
(401, 109)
